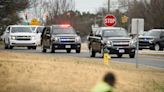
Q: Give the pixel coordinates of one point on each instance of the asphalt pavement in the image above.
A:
(152, 61)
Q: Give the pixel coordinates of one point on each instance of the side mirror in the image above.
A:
(7, 31)
(98, 35)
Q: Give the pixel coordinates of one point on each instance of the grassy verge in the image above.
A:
(26, 72)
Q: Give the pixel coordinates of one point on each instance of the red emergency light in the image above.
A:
(65, 25)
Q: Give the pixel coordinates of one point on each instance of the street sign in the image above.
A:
(124, 19)
(35, 22)
(110, 20)
(137, 26)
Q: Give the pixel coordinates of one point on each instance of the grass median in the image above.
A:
(27, 72)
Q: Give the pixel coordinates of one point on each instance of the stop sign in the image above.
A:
(110, 20)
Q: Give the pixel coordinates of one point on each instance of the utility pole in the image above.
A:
(108, 6)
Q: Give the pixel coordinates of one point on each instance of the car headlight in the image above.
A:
(13, 37)
(151, 41)
(33, 37)
(55, 39)
(132, 43)
(78, 39)
(109, 43)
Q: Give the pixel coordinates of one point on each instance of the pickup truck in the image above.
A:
(114, 39)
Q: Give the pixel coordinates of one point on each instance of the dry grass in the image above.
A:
(24, 72)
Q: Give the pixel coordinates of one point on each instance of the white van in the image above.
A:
(20, 36)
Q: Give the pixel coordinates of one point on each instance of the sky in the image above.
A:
(92, 5)
(88, 5)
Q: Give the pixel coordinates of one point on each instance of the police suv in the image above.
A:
(19, 36)
(60, 37)
(114, 39)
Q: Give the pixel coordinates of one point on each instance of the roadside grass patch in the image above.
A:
(33, 72)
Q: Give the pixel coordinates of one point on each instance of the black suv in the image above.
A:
(60, 37)
(153, 39)
(114, 39)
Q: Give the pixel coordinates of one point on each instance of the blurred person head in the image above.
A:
(110, 79)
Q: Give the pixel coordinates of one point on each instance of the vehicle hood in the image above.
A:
(23, 34)
(117, 38)
(65, 35)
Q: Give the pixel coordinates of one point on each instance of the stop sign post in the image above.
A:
(110, 20)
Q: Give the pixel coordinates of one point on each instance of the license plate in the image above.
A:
(121, 51)
(68, 46)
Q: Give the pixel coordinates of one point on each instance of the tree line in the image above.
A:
(63, 11)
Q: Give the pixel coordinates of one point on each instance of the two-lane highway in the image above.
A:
(153, 61)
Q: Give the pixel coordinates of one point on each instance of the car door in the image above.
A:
(162, 39)
(7, 34)
(46, 37)
(39, 30)
(96, 45)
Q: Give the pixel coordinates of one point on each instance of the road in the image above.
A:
(153, 61)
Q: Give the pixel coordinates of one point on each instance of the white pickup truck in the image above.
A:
(20, 36)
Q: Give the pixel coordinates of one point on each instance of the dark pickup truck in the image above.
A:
(114, 39)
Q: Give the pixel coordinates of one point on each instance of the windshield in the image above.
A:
(153, 33)
(40, 29)
(21, 30)
(63, 31)
(115, 33)
(33, 28)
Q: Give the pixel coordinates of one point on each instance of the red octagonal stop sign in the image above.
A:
(110, 20)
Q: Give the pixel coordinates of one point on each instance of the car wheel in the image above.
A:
(92, 53)
(78, 50)
(132, 55)
(68, 50)
(119, 55)
(43, 49)
(10, 47)
(34, 47)
(5, 45)
(156, 47)
(29, 47)
(52, 50)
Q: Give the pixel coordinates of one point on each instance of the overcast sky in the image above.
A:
(93, 5)
(88, 5)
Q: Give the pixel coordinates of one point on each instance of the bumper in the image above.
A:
(121, 50)
(23, 43)
(144, 45)
(67, 46)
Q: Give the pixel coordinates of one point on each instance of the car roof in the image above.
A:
(156, 30)
(111, 28)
